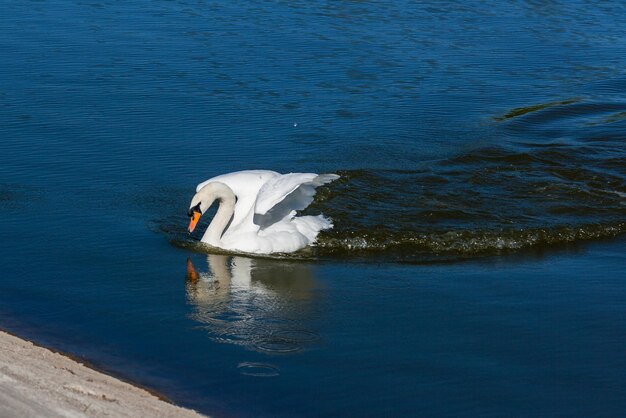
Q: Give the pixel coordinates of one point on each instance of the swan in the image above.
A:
(257, 211)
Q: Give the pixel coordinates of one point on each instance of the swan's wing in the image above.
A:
(283, 195)
(279, 188)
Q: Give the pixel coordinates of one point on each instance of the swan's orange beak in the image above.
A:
(193, 221)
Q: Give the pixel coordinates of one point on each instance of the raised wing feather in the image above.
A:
(282, 196)
(277, 189)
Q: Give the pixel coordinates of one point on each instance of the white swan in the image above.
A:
(257, 212)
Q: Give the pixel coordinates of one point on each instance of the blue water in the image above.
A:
(477, 261)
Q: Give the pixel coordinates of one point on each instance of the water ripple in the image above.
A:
(258, 369)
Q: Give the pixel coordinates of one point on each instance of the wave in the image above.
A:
(465, 243)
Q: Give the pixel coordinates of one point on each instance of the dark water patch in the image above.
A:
(579, 113)
(16, 196)
(520, 111)
(612, 118)
(575, 124)
(6, 195)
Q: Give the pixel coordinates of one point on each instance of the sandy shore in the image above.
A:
(36, 382)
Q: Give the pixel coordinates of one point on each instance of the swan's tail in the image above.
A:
(310, 226)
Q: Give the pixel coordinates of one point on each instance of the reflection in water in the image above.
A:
(259, 304)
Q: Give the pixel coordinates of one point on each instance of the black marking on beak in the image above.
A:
(194, 209)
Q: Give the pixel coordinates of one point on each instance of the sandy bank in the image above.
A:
(36, 382)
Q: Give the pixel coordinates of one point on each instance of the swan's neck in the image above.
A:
(226, 197)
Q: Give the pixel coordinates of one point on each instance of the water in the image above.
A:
(476, 265)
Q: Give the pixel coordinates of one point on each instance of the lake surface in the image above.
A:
(477, 262)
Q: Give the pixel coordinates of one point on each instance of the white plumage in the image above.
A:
(257, 212)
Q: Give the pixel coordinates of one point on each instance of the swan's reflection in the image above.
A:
(260, 304)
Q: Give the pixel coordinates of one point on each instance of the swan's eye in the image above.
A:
(194, 209)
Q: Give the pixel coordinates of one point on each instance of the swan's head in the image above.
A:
(200, 202)
(194, 214)
(205, 197)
